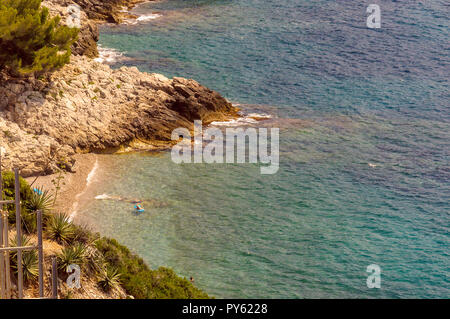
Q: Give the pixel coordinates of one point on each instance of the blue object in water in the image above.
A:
(141, 210)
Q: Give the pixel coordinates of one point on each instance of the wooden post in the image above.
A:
(19, 235)
(54, 279)
(40, 254)
(1, 181)
(2, 263)
(2, 260)
(6, 244)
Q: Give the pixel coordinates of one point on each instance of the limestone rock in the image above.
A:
(96, 109)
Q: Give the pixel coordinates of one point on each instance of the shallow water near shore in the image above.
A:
(364, 164)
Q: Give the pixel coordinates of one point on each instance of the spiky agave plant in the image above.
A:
(94, 259)
(40, 200)
(75, 254)
(30, 265)
(24, 240)
(83, 234)
(108, 278)
(60, 229)
(30, 262)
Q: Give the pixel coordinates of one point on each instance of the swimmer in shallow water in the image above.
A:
(148, 202)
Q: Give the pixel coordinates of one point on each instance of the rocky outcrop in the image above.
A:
(92, 13)
(86, 43)
(113, 11)
(87, 106)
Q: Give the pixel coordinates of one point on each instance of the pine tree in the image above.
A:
(30, 40)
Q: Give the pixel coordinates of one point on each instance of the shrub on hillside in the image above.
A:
(108, 278)
(40, 200)
(31, 41)
(9, 190)
(28, 217)
(71, 255)
(142, 282)
(30, 265)
(60, 229)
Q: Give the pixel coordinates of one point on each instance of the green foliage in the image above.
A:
(94, 261)
(9, 188)
(83, 234)
(41, 200)
(7, 133)
(58, 181)
(29, 222)
(142, 282)
(31, 41)
(28, 218)
(75, 254)
(60, 229)
(108, 278)
(30, 264)
(113, 263)
(25, 241)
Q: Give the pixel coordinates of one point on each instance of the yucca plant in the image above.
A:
(30, 265)
(94, 259)
(40, 200)
(108, 278)
(30, 262)
(25, 241)
(75, 254)
(60, 229)
(83, 234)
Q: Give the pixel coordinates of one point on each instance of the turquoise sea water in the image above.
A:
(364, 175)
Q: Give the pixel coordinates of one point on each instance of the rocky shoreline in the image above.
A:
(89, 107)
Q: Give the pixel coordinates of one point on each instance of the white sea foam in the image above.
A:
(148, 17)
(102, 196)
(89, 179)
(92, 173)
(260, 115)
(107, 55)
(143, 18)
(244, 120)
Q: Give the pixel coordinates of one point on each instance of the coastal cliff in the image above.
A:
(89, 107)
(48, 122)
(92, 12)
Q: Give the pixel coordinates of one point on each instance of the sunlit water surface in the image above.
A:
(364, 174)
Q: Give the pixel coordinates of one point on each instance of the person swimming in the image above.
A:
(149, 202)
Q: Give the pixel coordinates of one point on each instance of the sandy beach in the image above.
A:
(72, 184)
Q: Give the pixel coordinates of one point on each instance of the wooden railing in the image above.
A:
(5, 249)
